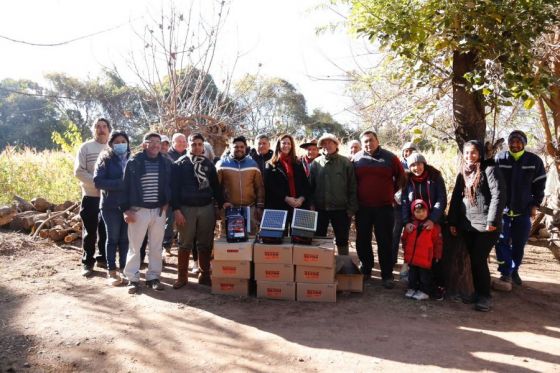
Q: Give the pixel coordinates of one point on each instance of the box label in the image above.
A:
(272, 274)
(310, 257)
(271, 255)
(232, 250)
(229, 270)
(312, 275)
(313, 293)
(273, 292)
(226, 287)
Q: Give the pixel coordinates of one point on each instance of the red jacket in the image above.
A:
(421, 248)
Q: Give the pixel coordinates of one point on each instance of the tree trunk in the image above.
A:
(468, 106)
(470, 124)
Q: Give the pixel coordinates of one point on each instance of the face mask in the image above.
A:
(120, 149)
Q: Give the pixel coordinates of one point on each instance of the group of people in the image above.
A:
(141, 197)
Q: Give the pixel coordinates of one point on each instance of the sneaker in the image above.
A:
(420, 295)
(133, 287)
(516, 279)
(87, 271)
(502, 284)
(388, 283)
(409, 293)
(469, 299)
(154, 284)
(195, 269)
(439, 293)
(113, 278)
(483, 304)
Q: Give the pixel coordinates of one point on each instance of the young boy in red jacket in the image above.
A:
(421, 247)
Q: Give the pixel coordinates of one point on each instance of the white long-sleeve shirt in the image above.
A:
(84, 166)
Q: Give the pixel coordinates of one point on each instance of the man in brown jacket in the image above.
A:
(242, 181)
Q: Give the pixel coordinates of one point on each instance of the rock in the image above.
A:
(7, 214)
(63, 206)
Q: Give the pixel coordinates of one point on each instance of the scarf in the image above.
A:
(417, 182)
(517, 155)
(289, 167)
(306, 161)
(421, 178)
(199, 171)
(471, 176)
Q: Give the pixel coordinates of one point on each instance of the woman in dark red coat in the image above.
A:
(285, 181)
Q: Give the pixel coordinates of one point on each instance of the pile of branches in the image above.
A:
(43, 219)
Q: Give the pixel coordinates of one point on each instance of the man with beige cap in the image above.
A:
(333, 186)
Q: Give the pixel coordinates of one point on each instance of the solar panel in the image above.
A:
(274, 220)
(305, 220)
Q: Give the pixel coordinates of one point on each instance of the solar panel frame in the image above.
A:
(308, 214)
(274, 214)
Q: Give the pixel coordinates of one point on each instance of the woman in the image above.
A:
(424, 182)
(108, 177)
(476, 208)
(286, 184)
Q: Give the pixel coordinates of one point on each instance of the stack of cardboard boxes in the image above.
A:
(315, 271)
(274, 271)
(231, 267)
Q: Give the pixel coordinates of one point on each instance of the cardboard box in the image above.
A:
(308, 292)
(230, 286)
(231, 269)
(276, 290)
(242, 251)
(274, 272)
(266, 253)
(319, 254)
(317, 275)
(348, 275)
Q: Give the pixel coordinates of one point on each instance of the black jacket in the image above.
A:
(261, 159)
(276, 186)
(135, 169)
(490, 196)
(185, 186)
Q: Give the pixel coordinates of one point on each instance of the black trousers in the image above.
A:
(340, 222)
(420, 279)
(381, 221)
(479, 245)
(94, 231)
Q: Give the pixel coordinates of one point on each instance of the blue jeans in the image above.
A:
(511, 244)
(117, 236)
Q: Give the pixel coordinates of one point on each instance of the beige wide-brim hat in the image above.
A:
(308, 143)
(327, 136)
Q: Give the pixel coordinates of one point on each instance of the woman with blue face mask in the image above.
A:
(108, 178)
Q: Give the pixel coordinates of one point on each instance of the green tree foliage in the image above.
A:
(320, 122)
(483, 48)
(270, 105)
(82, 101)
(27, 117)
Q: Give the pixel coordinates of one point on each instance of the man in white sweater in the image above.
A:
(93, 226)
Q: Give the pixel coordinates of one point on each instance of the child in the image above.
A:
(421, 247)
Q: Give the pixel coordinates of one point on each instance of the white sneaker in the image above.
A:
(195, 269)
(409, 293)
(420, 295)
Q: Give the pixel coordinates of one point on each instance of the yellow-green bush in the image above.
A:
(30, 174)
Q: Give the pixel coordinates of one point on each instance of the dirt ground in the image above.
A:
(52, 319)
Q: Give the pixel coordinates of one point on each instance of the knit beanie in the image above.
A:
(520, 135)
(415, 157)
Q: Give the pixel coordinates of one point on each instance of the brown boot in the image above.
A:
(182, 268)
(204, 264)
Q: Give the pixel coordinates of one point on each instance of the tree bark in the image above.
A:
(468, 106)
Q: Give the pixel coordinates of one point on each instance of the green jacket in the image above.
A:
(333, 183)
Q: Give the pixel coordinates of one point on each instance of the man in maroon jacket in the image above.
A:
(379, 175)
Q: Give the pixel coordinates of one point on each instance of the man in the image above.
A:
(93, 226)
(407, 149)
(311, 152)
(241, 181)
(178, 149)
(164, 145)
(379, 174)
(263, 153)
(178, 146)
(355, 147)
(333, 187)
(146, 198)
(526, 179)
(196, 195)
